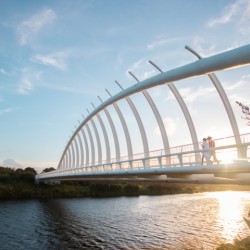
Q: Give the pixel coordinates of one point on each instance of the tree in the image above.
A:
(30, 170)
(6, 171)
(19, 171)
(46, 170)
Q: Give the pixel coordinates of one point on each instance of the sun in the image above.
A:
(227, 156)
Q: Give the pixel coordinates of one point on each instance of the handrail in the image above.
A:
(181, 154)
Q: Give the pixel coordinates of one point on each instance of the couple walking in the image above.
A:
(207, 145)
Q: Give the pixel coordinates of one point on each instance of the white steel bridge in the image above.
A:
(83, 155)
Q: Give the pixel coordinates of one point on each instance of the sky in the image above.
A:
(57, 56)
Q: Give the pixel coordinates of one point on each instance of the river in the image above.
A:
(202, 220)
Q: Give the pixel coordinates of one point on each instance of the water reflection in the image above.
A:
(146, 222)
(230, 212)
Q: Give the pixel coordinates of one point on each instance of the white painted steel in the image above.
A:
(99, 147)
(70, 156)
(173, 169)
(81, 149)
(185, 111)
(126, 132)
(77, 160)
(73, 154)
(117, 146)
(124, 126)
(157, 116)
(232, 58)
(140, 125)
(223, 98)
(159, 121)
(91, 145)
(86, 147)
(67, 159)
(105, 138)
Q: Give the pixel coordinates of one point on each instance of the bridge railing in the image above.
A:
(179, 157)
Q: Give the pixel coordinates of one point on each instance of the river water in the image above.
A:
(201, 221)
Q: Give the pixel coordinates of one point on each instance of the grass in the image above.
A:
(239, 244)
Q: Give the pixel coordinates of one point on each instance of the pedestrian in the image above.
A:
(206, 153)
(211, 145)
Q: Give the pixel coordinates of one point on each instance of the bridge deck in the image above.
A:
(233, 159)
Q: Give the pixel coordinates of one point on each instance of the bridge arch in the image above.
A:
(70, 157)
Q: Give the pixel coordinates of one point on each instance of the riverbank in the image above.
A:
(239, 244)
(25, 188)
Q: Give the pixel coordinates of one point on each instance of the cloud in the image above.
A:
(234, 86)
(11, 163)
(55, 59)
(229, 12)
(3, 111)
(244, 22)
(28, 79)
(239, 12)
(205, 48)
(138, 68)
(162, 41)
(73, 89)
(28, 28)
(170, 126)
(238, 91)
(2, 71)
(199, 47)
(189, 95)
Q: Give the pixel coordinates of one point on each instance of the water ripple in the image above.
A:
(145, 222)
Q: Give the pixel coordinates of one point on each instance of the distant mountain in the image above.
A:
(10, 163)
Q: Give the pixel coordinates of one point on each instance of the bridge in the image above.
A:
(83, 156)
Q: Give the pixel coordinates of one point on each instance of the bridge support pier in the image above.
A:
(242, 152)
(180, 159)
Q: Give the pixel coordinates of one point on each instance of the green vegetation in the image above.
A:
(194, 243)
(20, 184)
(239, 244)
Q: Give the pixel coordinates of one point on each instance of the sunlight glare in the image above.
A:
(226, 156)
(229, 213)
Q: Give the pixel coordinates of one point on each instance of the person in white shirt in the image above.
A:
(206, 153)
